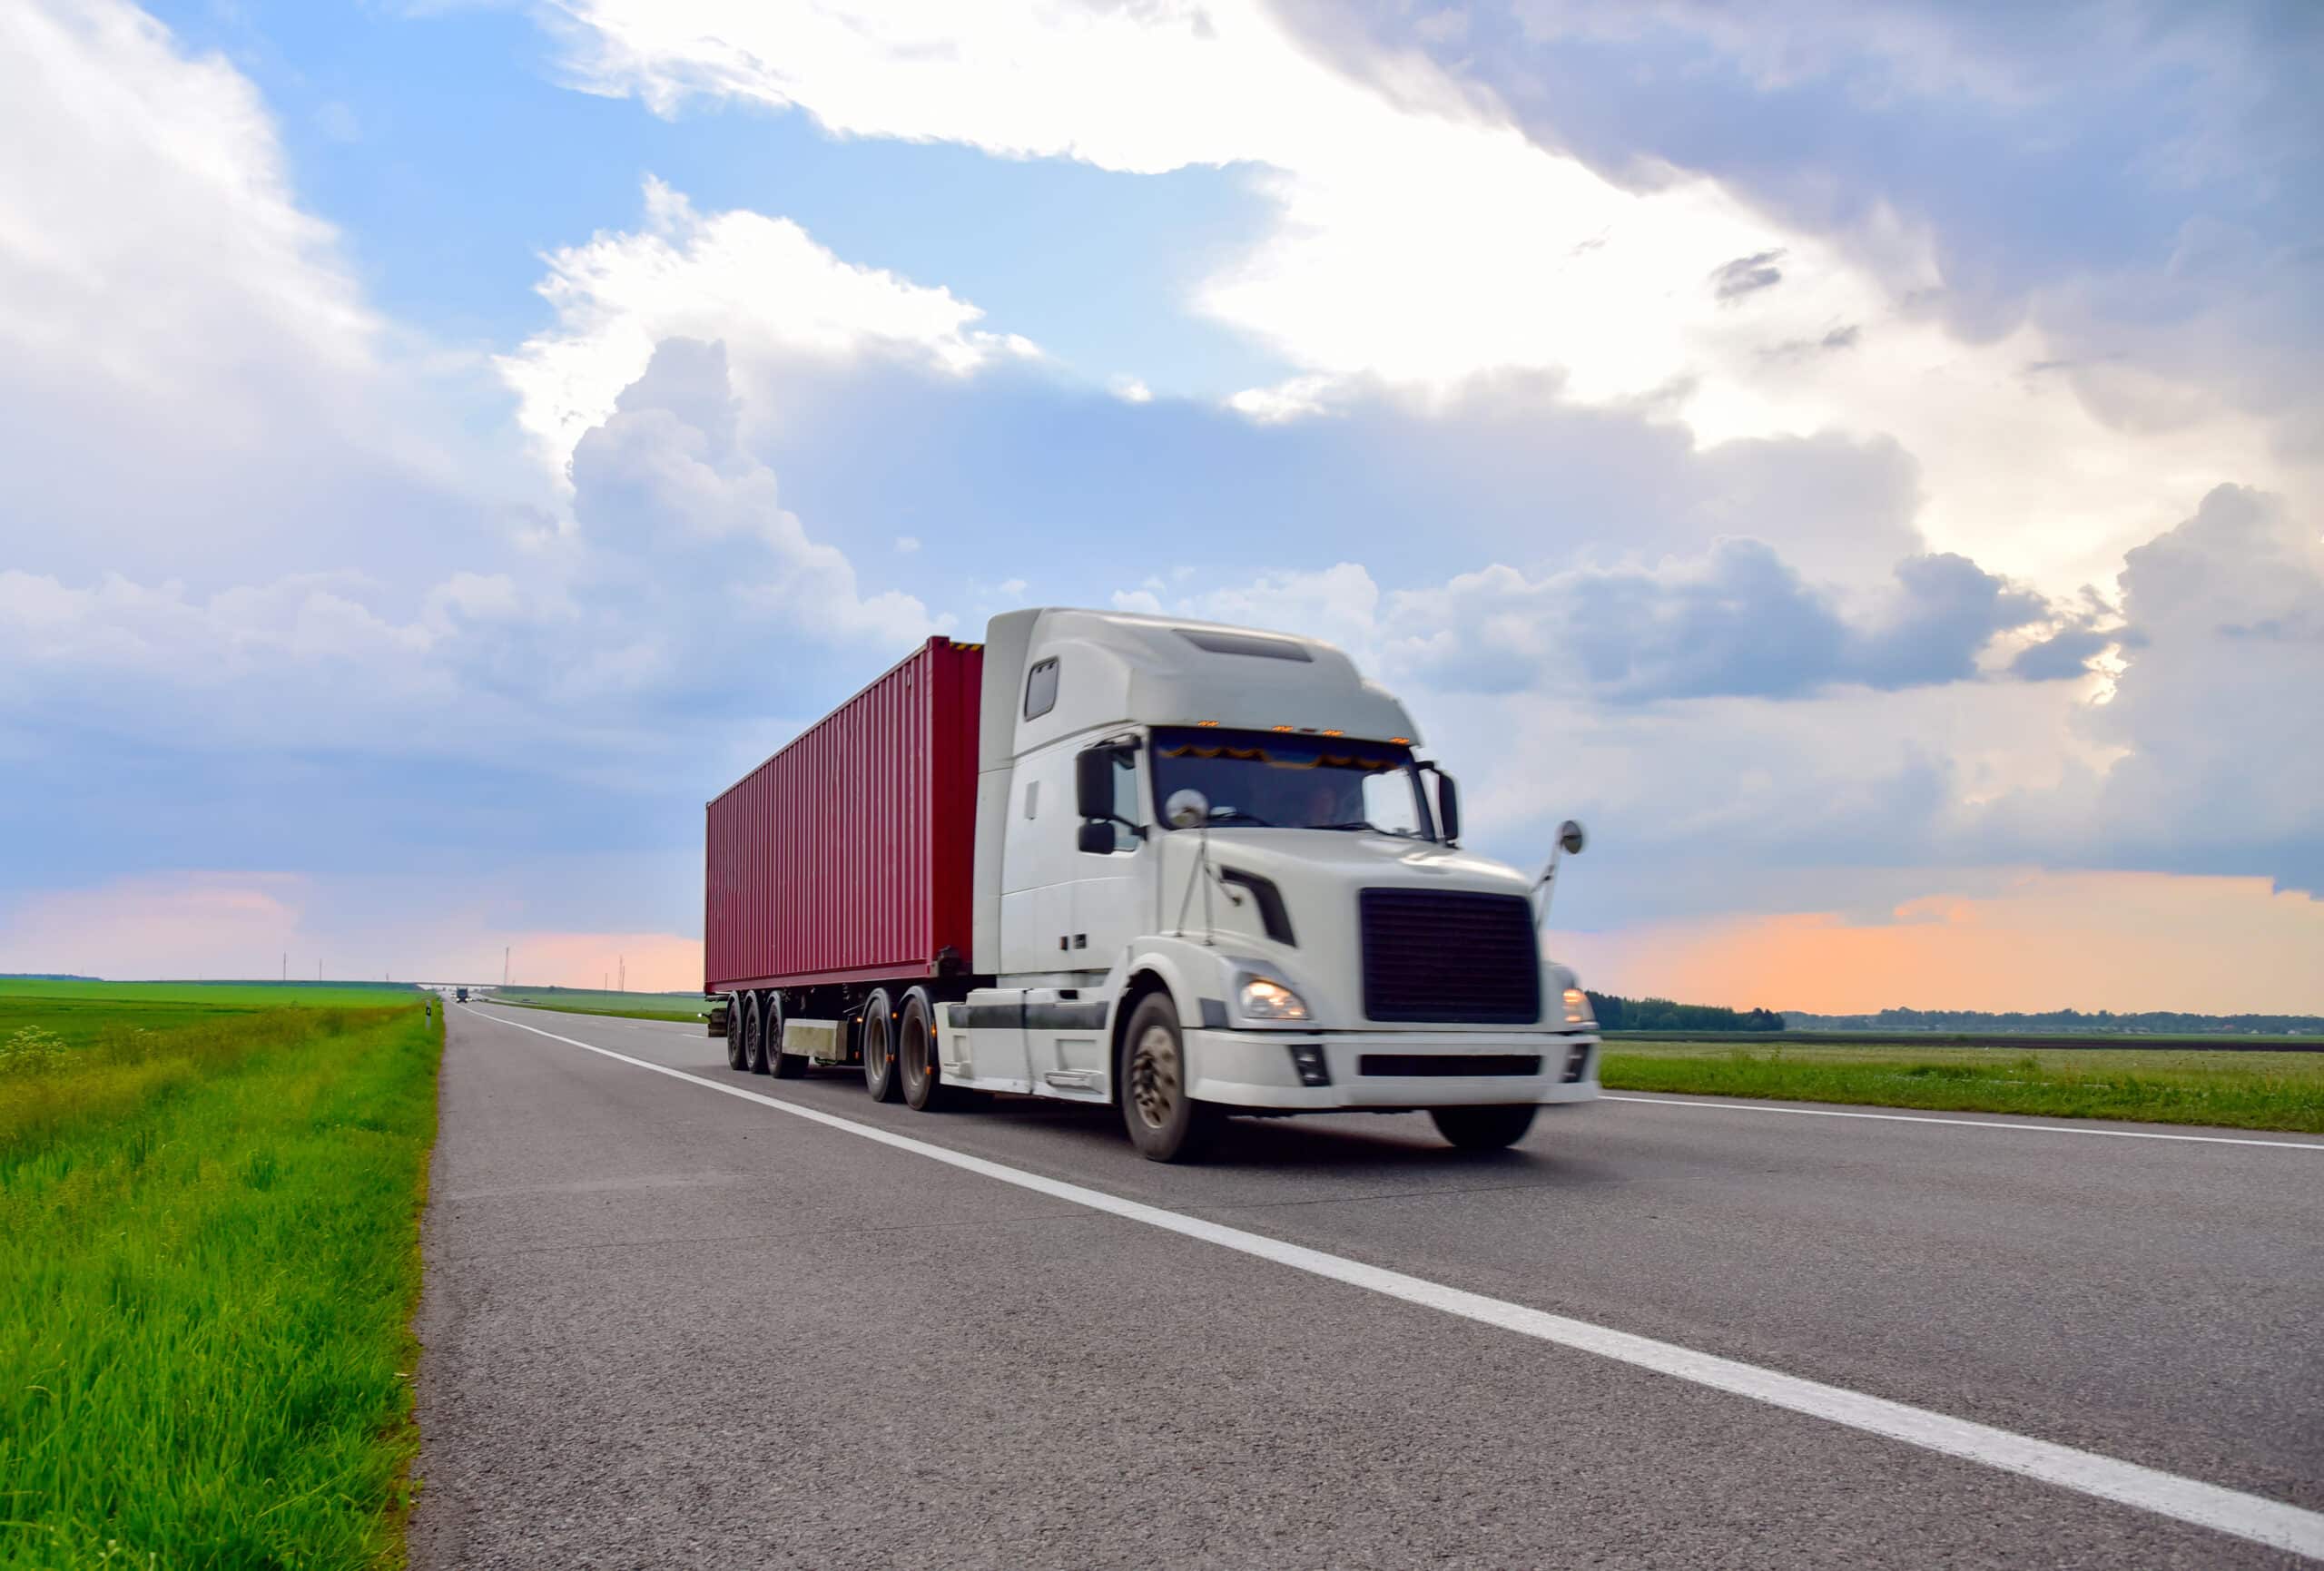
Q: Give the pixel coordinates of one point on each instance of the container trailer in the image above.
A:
(1187, 869)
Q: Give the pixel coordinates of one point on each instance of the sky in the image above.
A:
(1862, 460)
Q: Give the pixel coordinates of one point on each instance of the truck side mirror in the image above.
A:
(1096, 837)
(1093, 784)
(1448, 807)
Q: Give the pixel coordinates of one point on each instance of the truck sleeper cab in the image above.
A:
(1208, 874)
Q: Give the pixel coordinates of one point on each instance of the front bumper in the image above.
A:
(1264, 1068)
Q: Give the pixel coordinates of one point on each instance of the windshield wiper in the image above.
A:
(1217, 814)
(1354, 824)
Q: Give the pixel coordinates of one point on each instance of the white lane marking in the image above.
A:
(2251, 1517)
(1740, 1106)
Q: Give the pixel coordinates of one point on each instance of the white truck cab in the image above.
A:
(1212, 874)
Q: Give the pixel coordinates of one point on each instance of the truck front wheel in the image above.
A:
(879, 1076)
(923, 1077)
(1483, 1128)
(1165, 1122)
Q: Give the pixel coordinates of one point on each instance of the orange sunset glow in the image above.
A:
(2087, 940)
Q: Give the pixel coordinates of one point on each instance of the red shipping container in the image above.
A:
(847, 856)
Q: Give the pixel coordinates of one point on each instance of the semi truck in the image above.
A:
(1186, 869)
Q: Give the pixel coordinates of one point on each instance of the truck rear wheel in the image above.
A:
(879, 1076)
(923, 1075)
(737, 1056)
(754, 1036)
(780, 1065)
(1483, 1128)
(1165, 1122)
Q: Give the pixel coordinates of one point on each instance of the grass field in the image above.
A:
(209, 1257)
(79, 1011)
(686, 1006)
(2237, 1089)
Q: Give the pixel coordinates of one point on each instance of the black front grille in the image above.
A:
(1451, 957)
(1407, 1064)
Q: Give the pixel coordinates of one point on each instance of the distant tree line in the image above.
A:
(2171, 1022)
(45, 977)
(1616, 1013)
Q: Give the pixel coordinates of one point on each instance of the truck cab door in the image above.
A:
(1113, 892)
(1037, 866)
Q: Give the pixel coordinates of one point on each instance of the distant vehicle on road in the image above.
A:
(1185, 869)
(459, 995)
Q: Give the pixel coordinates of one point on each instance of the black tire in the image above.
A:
(736, 1055)
(879, 1034)
(916, 1055)
(1483, 1128)
(754, 1037)
(780, 1065)
(1165, 1124)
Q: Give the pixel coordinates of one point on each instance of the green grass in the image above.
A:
(209, 1258)
(686, 1006)
(2243, 1090)
(80, 1011)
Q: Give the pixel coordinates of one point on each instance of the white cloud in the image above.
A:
(140, 149)
(760, 285)
(1423, 239)
(906, 544)
(1129, 389)
(191, 382)
(684, 572)
(668, 501)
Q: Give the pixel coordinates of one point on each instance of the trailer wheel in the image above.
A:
(879, 1076)
(1164, 1122)
(916, 1044)
(780, 1065)
(1483, 1128)
(737, 1055)
(754, 1037)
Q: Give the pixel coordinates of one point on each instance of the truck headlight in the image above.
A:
(1265, 999)
(1577, 1007)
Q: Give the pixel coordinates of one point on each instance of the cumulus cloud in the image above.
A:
(194, 377)
(2216, 708)
(760, 285)
(1735, 621)
(1396, 180)
(672, 506)
(683, 566)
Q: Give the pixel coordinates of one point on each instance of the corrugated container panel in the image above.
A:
(848, 854)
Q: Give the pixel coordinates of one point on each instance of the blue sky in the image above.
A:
(1863, 460)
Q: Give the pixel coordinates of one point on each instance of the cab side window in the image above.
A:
(1126, 801)
(1040, 689)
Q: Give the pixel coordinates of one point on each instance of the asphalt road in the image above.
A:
(668, 1327)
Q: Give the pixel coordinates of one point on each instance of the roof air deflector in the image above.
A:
(1218, 640)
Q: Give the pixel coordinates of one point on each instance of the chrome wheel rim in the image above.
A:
(1153, 1077)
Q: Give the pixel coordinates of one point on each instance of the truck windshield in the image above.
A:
(1290, 779)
